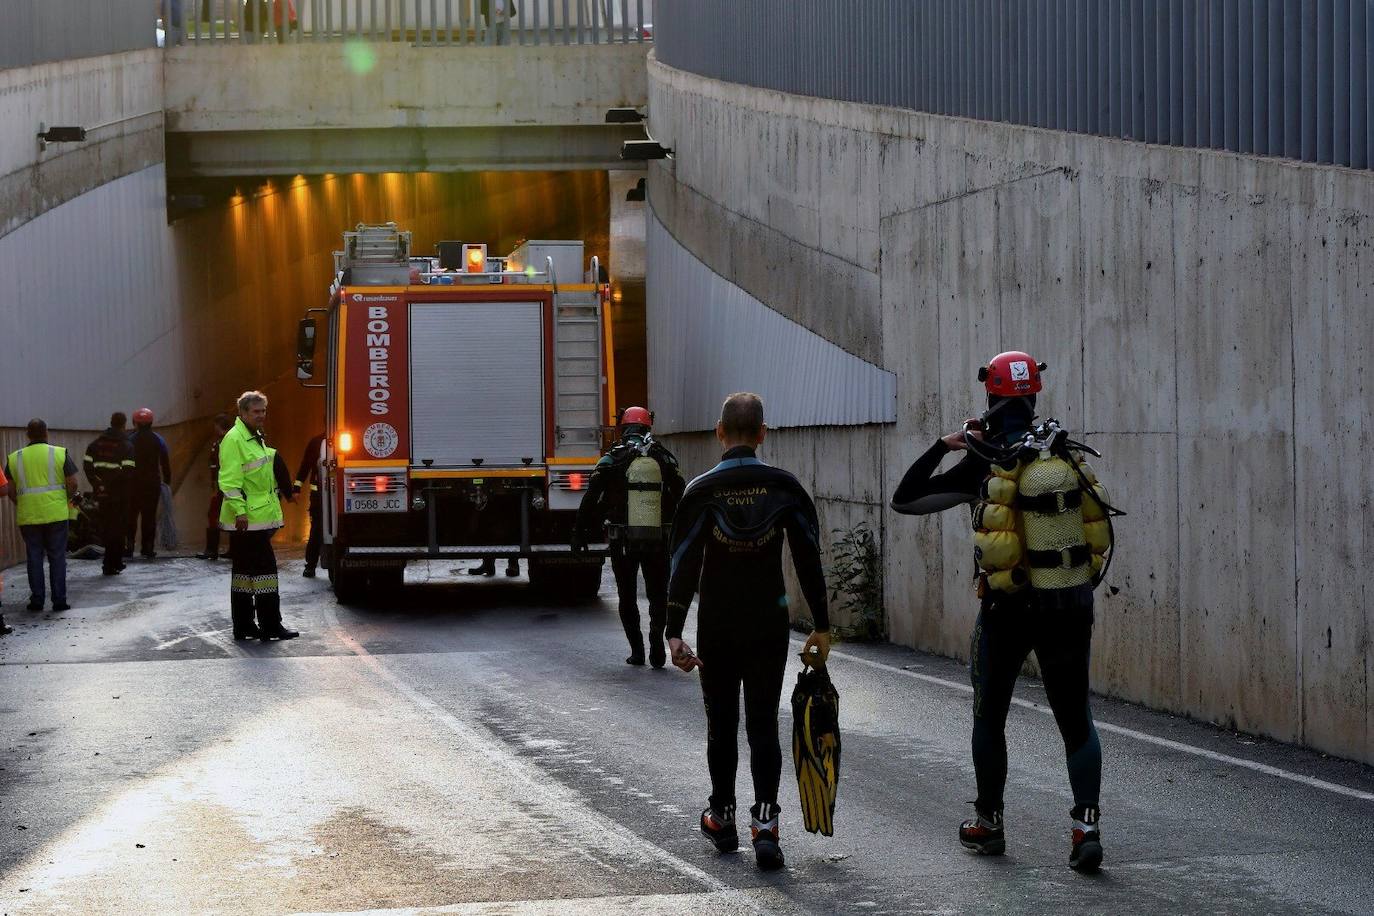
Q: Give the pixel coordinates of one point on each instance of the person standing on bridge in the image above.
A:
(1042, 539)
(109, 463)
(632, 494)
(44, 486)
(308, 475)
(727, 540)
(251, 514)
(152, 469)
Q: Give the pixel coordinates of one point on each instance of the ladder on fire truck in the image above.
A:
(579, 374)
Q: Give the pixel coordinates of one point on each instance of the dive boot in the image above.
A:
(719, 828)
(1086, 853)
(636, 656)
(984, 834)
(658, 656)
(764, 827)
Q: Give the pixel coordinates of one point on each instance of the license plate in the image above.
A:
(375, 504)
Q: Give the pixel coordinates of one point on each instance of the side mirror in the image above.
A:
(305, 349)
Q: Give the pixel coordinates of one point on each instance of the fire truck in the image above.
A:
(468, 398)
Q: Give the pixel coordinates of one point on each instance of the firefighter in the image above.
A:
(727, 540)
(223, 423)
(109, 463)
(633, 491)
(251, 513)
(1042, 536)
(308, 474)
(152, 469)
(44, 486)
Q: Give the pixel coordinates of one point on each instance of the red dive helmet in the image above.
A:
(1013, 374)
(143, 417)
(637, 416)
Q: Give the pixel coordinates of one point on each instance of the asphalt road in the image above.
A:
(465, 749)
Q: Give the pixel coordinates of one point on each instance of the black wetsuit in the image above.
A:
(727, 539)
(1056, 624)
(607, 500)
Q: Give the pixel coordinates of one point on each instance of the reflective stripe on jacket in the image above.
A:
(39, 483)
(247, 481)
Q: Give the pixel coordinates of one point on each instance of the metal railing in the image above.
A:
(1290, 78)
(418, 22)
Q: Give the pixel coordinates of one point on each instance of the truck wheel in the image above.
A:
(350, 586)
(565, 580)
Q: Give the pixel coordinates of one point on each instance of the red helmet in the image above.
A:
(143, 417)
(1013, 374)
(636, 416)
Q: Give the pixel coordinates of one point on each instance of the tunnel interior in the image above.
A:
(255, 253)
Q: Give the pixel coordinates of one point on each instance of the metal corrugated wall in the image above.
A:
(1291, 78)
(708, 338)
(38, 31)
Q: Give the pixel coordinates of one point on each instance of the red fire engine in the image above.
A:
(467, 401)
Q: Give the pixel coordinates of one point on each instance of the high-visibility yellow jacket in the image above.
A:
(247, 481)
(40, 484)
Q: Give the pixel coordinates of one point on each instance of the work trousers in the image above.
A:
(755, 663)
(113, 511)
(143, 500)
(316, 538)
(46, 541)
(626, 566)
(1057, 626)
(253, 580)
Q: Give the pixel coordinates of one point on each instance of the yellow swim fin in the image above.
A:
(816, 748)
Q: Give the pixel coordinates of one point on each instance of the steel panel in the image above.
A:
(494, 410)
(1269, 77)
(709, 338)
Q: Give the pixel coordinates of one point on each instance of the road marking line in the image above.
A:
(1172, 745)
(557, 795)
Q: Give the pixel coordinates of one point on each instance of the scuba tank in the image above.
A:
(644, 499)
(1042, 518)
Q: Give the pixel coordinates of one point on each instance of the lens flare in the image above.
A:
(360, 56)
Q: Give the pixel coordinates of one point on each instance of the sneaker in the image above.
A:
(35, 604)
(1086, 853)
(149, 555)
(984, 834)
(61, 606)
(764, 827)
(4, 629)
(308, 572)
(719, 828)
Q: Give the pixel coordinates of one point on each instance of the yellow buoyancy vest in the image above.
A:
(1037, 524)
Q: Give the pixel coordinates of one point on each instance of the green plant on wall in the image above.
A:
(856, 582)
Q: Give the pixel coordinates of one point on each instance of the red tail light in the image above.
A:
(379, 484)
(576, 481)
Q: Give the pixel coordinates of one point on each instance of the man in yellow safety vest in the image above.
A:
(251, 513)
(44, 485)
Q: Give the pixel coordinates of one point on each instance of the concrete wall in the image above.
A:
(1208, 320)
(117, 98)
(376, 107)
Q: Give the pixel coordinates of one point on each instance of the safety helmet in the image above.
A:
(143, 417)
(1013, 374)
(636, 416)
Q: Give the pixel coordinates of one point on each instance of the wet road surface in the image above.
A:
(465, 748)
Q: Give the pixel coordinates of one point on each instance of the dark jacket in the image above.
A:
(308, 474)
(109, 463)
(727, 539)
(152, 462)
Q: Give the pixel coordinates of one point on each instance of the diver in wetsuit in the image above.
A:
(1018, 613)
(727, 540)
